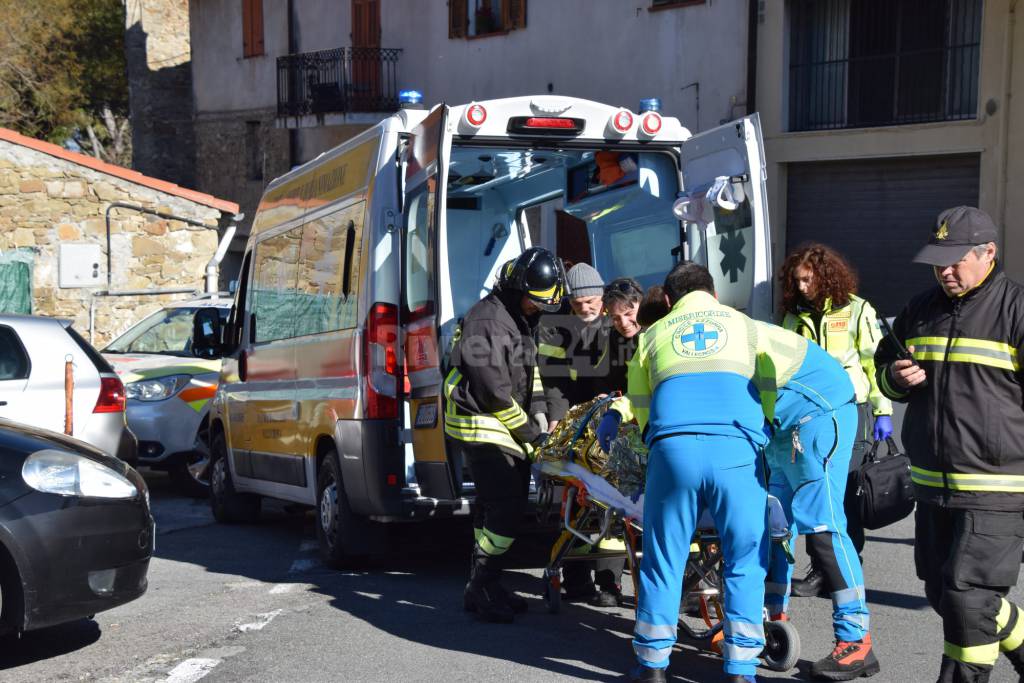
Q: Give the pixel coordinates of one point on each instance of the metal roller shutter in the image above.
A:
(878, 213)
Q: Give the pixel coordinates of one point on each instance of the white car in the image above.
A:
(33, 354)
(168, 390)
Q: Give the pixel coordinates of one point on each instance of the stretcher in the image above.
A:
(591, 509)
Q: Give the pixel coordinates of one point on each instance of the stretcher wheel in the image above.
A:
(553, 595)
(782, 645)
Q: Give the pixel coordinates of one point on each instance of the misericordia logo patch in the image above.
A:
(699, 338)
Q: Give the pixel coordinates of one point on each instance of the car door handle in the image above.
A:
(3, 403)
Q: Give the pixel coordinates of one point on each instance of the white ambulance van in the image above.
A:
(361, 263)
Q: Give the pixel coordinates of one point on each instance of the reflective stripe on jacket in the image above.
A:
(964, 429)
(850, 335)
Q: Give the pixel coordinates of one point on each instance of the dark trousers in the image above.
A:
(502, 490)
(968, 560)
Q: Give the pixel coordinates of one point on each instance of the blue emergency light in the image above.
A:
(650, 104)
(410, 97)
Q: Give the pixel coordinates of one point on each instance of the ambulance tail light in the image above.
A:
(475, 116)
(621, 121)
(380, 360)
(545, 125)
(650, 124)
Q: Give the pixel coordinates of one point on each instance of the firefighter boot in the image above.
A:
(515, 601)
(1016, 658)
(849, 660)
(483, 594)
(953, 671)
(647, 674)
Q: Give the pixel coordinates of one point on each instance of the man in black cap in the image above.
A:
(964, 433)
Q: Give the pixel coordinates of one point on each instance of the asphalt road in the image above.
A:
(247, 603)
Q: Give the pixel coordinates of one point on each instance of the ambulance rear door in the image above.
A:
(724, 211)
(425, 161)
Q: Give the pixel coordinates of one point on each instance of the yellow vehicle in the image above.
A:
(361, 263)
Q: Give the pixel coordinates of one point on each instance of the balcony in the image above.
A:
(345, 85)
(868, 63)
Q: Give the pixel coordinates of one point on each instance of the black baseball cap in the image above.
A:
(956, 231)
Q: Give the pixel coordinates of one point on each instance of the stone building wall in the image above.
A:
(158, 55)
(46, 201)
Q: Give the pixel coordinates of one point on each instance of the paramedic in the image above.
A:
(819, 297)
(704, 453)
(491, 390)
(814, 418)
(964, 433)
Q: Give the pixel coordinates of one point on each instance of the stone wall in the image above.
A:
(46, 201)
(158, 55)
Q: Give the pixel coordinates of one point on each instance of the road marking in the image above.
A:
(261, 621)
(373, 596)
(303, 564)
(191, 670)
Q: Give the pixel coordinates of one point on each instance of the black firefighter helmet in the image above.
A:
(539, 275)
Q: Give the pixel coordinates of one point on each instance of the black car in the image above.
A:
(76, 533)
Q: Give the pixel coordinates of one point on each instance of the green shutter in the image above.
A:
(16, 281)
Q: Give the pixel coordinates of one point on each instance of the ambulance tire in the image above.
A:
(229, 506)
(337, 527)
(782, 645)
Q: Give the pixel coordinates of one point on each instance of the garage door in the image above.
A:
(878, 213)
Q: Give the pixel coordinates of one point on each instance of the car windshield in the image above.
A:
(168, 331)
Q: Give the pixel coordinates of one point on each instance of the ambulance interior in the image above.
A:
(610, 209)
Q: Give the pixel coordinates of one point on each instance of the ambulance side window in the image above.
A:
(328, 272)
(273, 286)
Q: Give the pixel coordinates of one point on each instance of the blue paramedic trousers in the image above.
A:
(685, 474)
(811, 486)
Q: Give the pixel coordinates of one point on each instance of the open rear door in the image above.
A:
(426, 177)
(726, 215)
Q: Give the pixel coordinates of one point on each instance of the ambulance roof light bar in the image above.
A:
(650, 104)
(410, 99)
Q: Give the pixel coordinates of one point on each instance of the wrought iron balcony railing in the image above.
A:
(342, 80)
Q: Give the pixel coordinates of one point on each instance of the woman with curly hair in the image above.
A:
(819, 296)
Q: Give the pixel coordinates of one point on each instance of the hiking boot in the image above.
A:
(778, 617)
(646, 674)
(811, 586)
(849, 660)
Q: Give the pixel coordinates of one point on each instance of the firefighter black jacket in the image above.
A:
(495, 358)
(964, 430)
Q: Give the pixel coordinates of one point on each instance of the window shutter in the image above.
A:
(246, 28)
(515, 14)
(257, 27)
(458, 18)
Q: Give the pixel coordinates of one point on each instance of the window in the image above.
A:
(328, 272)
(252, 28)
(253, 150)
(273, 287)
(168, 331)
(473, 18)
(860, 63)
(13, 359)
(419, 250)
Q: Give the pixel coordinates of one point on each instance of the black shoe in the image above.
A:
(603, 598)
(811, 586)
(646, 674)
(849, 660)
(584, 592)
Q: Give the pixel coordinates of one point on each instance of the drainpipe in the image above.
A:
(140, 209)
(1004, 125)
(218, 256)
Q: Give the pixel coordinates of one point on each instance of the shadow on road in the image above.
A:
(54, 641)
(900, 600)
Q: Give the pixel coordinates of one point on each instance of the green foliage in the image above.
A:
(62, 64)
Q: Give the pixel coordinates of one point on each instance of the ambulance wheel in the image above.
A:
(228, 505)
(782, 645)
(553, 595)
(336, 525)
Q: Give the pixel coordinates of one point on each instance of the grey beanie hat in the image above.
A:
(583, 280)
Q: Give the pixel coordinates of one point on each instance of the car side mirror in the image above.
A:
(207, 334)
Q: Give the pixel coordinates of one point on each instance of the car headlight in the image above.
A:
(157, 388)
(68, 474)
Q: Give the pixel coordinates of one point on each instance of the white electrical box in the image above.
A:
(80, 265)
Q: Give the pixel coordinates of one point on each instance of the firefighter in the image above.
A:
(491, 391)
(819, 297)
(964, 433)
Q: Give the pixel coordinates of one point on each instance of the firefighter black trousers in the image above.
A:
(502, 490)
(968, 560)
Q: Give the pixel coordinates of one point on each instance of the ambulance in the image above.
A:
(361, 263)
